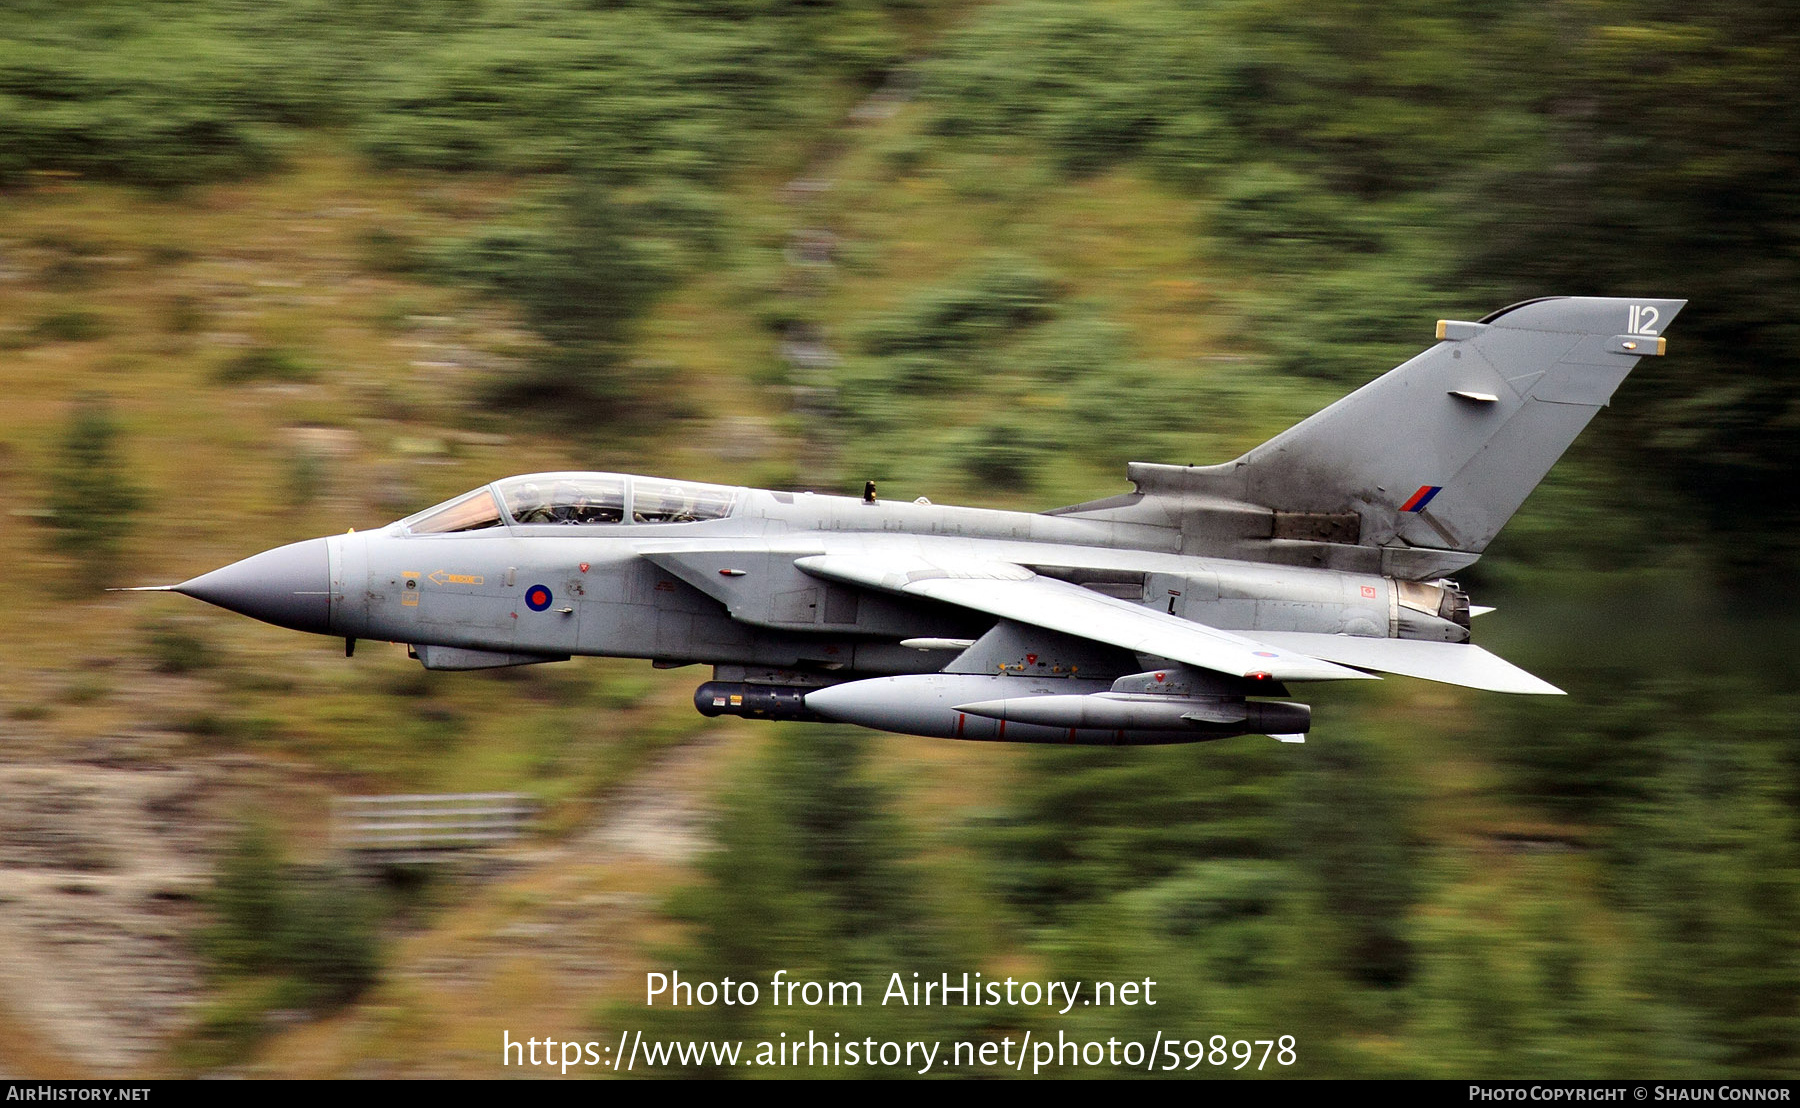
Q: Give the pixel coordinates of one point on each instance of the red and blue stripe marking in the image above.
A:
(1417, 501)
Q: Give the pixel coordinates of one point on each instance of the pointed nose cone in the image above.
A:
(289, 586)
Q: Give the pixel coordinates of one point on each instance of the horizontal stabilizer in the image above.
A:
(1451, 663)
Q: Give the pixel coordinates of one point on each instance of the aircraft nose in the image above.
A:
(289, 586)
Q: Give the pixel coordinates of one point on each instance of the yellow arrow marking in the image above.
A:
(442, 577)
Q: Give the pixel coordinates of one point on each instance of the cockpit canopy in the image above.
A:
(575, 499)
(471, 512)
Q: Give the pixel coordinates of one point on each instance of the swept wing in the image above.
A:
(1016, 593)
(1010, 591)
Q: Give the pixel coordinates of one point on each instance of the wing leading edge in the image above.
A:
(1016, 593)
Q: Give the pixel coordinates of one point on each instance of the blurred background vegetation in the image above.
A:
(273, 269)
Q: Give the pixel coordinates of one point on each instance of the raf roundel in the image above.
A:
(537, 598)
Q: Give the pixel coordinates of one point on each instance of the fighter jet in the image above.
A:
(1182, 611)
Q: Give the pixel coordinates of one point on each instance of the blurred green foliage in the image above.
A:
(169, 93)
(1692, 783)
(74, 325)
(1365, 160)
(314, 928)
(306, 478)
(947, 328)
(1371, 158)
(92, 499)
(584, 273)
(264, 363)
(815, 876)
(1002, 372)
(177, 648)
(282, 938)
(1301, 895)
(650, 105)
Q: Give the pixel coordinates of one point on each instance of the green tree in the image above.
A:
(249, 905)
(1710, 860)
(1086, 824)
(92, 500)
(814, 875)
(1352, 839)
(313, 928)
(584, 272)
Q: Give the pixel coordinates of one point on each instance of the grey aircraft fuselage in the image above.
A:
(608, 594)
(607, 597)
(1152, 617)
(731, 592)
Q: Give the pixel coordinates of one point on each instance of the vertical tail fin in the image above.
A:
(1440, 452)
